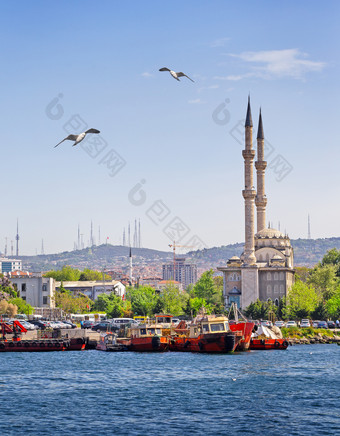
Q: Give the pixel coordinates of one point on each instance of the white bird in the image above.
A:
(78, 138)
(175, 75)
(233, 379)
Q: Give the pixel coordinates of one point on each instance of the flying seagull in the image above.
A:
(175, 75)
(78, 138)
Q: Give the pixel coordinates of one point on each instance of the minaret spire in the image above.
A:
(249, 121)
(260, 165)
(249, 192)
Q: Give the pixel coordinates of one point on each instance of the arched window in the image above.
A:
(269, 276)
(267, 257)
(260, 258)
(276, 289)
(276, 302)
(269, 289)
(276, 276)
(282, 277)
(282, 289)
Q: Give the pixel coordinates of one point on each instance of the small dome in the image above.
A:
(234, 258)
(269, 233)
(277, 257)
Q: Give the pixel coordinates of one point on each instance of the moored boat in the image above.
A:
(242, 325)
(268, 344)
(207, 334)
(148, 337)
(109, 342)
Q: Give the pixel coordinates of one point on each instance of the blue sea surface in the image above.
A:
(276, 392)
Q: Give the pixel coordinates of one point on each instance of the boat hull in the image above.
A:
(152, 343)
(207, 343)
(268, 344)
(245, 328)
(29, 346)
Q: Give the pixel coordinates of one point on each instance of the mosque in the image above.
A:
(265, 269)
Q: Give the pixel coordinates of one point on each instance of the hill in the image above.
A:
(307, 252)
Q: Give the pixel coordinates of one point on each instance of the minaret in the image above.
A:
(260, 165)
(130, 266)
(92, 239)
(78, 245)
(139, 236)
(249, 192)
(124, 238)
(17, 238)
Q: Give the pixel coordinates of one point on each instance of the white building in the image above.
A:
(94, 288)
(36, 290)
(8, 265)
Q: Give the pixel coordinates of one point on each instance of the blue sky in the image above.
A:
(96, 64)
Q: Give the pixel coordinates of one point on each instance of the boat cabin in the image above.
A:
(210, 324)
(166, 320)
(144, 331)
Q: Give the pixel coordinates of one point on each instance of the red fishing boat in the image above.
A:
(268, 344)
(242, 325)
(206, 334)
(148, 338)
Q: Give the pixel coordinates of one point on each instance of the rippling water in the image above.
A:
(292, 392)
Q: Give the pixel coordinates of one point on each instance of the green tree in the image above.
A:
(324, 280)
(205, 286)
(333, 304)
(301, 300)
(67, 274)
(332, 257)
(259, 309)
(144, 300)
(115, 309)
(22, 306)
(90, 275)
(302, 273)
(173, 300)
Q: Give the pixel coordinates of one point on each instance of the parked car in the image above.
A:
(322, 325)
(315, 324)
(118, 322)
(279, 324)
(305, 323)
(291, 324)
(331, 324)
(88, 324)
(39, 323)
(71, 324)
(27, 325)
(104, 326)
(266, 323)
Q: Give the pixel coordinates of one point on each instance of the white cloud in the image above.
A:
(146, 74)
(278, 63)
(221, 42)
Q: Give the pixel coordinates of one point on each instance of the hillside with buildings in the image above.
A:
(307, 252)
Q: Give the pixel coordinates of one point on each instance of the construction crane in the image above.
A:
(174, 246)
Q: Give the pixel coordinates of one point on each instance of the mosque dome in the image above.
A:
(269, 234)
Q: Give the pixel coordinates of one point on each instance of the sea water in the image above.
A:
(274, 392)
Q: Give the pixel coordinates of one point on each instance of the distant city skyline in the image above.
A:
(169, 152)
